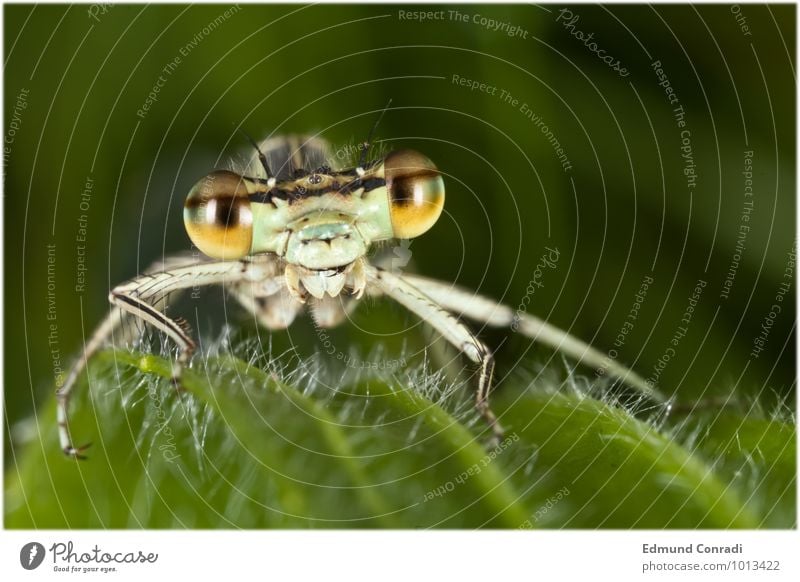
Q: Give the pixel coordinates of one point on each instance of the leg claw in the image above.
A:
(77, 452)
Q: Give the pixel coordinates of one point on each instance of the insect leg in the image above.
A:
(431, 311)
(331, 311)
(113, 320)
(104, 332)
(488, 311)
(271, 304)
(141, 297)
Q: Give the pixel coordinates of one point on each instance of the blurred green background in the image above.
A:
(620, 210)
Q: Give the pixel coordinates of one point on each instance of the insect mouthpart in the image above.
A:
(324, 240)
(328, 231)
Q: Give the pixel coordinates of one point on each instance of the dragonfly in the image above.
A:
(291, 233)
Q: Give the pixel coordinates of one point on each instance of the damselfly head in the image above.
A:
(317, 218)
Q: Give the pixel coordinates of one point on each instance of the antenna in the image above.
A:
(261, 155)
(368, 143)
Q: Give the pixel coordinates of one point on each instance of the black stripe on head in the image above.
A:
(295, 192)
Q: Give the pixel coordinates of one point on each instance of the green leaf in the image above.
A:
(755, 456)
(304, 446)
(621, 472)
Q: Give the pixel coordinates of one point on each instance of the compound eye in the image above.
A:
(217, 216)
(416, 192)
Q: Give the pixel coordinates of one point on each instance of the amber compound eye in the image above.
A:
(217, 216)
(416, 192)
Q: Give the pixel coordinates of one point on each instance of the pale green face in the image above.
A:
(318, 220)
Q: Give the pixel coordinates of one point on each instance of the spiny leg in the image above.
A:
(112, 321)
(139, 295)
(488, 311)
(104, 332)
(432, 312)
(141, 298)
